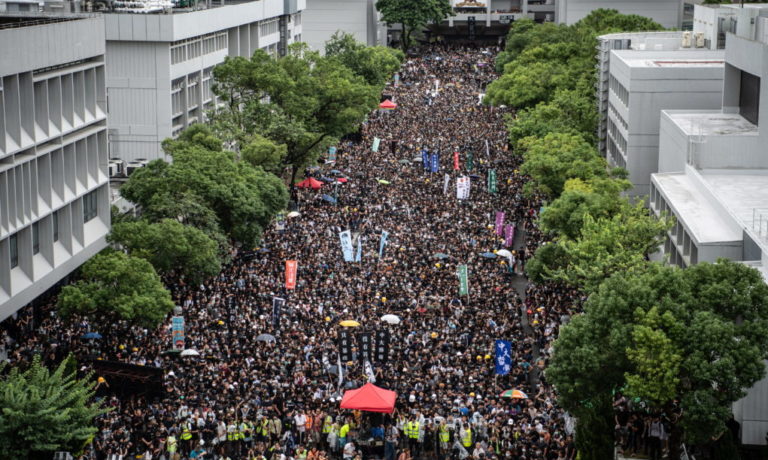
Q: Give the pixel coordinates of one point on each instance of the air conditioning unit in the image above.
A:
(686, 39)
(143, 161)
(699, 36)
(116, 167)
(133, 166)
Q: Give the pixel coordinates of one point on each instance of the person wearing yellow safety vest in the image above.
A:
(412, 433)
(444, 438)
(232, 438)
(186, 438)
(172, 446)
(466, 437)
(343, 432)
(327, 424)
(246, 430)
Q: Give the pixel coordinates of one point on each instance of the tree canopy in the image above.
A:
(685, 341)
(376, 64)
(42, 412)
(413, 15)
(302, 101)
(170, 246)
(116, 287)
(244, 198)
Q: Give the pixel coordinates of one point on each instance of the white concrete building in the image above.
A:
(323, 18)
(159, 66)
(641, 85)
(54, 185)
(668, 13)
(713, 178)
(712, 22)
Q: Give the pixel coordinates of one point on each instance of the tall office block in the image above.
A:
(54, 187)
(160, 65)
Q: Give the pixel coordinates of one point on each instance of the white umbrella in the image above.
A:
(190, 352)
(391, 319)
(293, 214)
(503, 253)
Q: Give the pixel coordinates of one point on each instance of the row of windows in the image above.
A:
(36, 106)
(619, 90)
(191, 48)
(268, 27)
(90, 212)
(618, 117)
(616, 156)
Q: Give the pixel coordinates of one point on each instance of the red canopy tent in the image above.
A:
(387, 105)
(310, 182)
(369, 398)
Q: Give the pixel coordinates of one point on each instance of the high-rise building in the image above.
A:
(160, 64)
(54, 185)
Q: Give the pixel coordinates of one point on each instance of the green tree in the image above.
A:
(413, 16)
(376, 64)
(115, 287)
(243, 198)
(688, 342)
(602, 21)
(302, 100)
(170, 246)
(42, 412)
(567, 112)
(606, 246)
(264, 153)
(599, 198)
(552, 160)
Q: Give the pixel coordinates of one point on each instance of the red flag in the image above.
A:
(290, 274)
(456, 161)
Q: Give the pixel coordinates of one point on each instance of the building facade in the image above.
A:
(54, 184)
(160, 66)
(323, 18)
(641, 85)
(713, 179)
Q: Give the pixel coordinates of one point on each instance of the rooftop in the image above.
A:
(745, 194)
(19, 20)
(711, 123)
(675, 63)
(705, 222)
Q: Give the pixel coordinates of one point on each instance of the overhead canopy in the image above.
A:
(310, 182)
(370, 398)
(387, 105)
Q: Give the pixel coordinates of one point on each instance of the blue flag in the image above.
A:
(503, 359)
(435, 163)
(359, 255)
(346, 245)
(425, 159)
(383, 242)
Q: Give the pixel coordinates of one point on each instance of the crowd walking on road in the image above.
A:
(244, 398)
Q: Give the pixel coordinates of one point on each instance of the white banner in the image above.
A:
(462, 188)
(445, 184)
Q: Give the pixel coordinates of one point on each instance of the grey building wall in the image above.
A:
(668, 13)
(160, 67)
(54, 190)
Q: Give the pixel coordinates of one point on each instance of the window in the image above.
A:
(13, 245)
(36, 238)
(749, 97)
(55, 218)
(90, 202)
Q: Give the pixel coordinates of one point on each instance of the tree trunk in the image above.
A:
(675, 439)
(595, 430)
(405, 39)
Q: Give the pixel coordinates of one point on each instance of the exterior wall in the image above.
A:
(633, 117)
(668, 13)
(54, 190)
(160, 67)
(323, 18)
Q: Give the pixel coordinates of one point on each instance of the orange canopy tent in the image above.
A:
(310, 182)
(387, 105)
(369, 398)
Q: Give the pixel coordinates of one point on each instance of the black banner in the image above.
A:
(382, 346)
(345, 346)
(277, 307)
(365, 347)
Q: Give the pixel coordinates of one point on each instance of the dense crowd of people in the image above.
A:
(244, 398)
